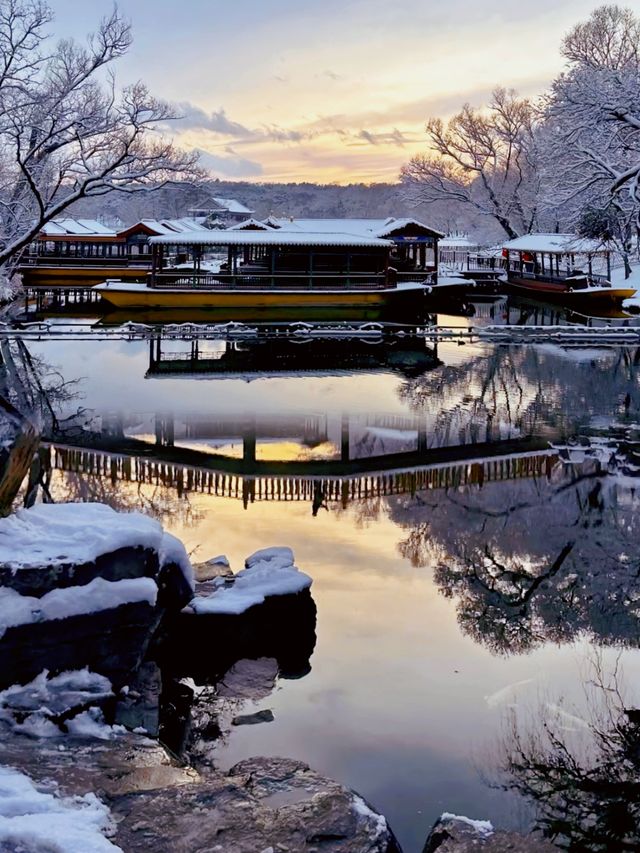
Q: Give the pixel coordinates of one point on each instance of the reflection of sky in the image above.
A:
(399, 703)
(328, 89)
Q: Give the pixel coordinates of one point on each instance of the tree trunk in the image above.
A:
(16, 465)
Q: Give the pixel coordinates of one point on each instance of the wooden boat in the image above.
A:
(548, 266)
(127, 295)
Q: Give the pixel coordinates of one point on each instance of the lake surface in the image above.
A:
(429, 630)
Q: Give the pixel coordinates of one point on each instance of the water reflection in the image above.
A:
(547, 559)
(416, 486)
(580, 767)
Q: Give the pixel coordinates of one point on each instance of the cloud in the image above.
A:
(231, 166)
(395, 137)
(193, 117)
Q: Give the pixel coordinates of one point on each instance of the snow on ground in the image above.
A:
(58, 534)
(268, 572)
(16, 609)
(35, 820)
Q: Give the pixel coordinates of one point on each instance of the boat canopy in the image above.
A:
(557, 244)
(270, 238)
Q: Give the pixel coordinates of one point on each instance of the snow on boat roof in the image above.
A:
(278, 237)
(360, 227)
(76, 228)
(558, 244)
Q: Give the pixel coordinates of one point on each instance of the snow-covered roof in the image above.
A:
(558, 244)
(398, 224)
(362, 227)
(251, 224)
(66, 227)
(232, 205)
(183, 224)
(271, 238)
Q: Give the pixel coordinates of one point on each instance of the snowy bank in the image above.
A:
(31, 819)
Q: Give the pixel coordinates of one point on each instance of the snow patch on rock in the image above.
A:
(99, 594)
(269, 572)
(31, 819)
(484, 827)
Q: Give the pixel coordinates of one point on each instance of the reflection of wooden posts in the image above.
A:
(344, 439)
(248, 491)
(249, 443)
(422, 438)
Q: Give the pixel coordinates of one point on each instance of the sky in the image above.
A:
(333, 91)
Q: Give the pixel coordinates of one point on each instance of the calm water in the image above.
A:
(428, 630)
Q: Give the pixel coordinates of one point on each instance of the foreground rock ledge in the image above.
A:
(262, 804)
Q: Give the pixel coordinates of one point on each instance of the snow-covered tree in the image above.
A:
(66, 131)
(483, 160)
(593, 128)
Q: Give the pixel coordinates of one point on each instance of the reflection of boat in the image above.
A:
(162, 316)
(263, 357)
(549, 266)
(540, 312)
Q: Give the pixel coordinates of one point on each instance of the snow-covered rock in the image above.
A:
(84, 586)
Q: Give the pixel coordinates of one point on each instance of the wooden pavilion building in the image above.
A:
(352, 262)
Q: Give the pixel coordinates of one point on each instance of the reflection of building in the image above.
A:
(408, 356)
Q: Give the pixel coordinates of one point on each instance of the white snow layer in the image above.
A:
(57, 534)
(269, 572)
(484, 827)
(34, 820)
(16, 609)
(377, 821)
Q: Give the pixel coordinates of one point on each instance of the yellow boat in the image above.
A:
(142, 296)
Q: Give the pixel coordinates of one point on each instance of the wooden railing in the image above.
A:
(278, 281)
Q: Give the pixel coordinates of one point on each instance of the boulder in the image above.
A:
(458, 834)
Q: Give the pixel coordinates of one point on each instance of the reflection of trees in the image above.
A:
(537, 560)
(159, 502)
(526, 388)
(583, 776)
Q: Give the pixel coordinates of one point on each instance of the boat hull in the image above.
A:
(559, 292)
(128, 297)
(77, 276)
